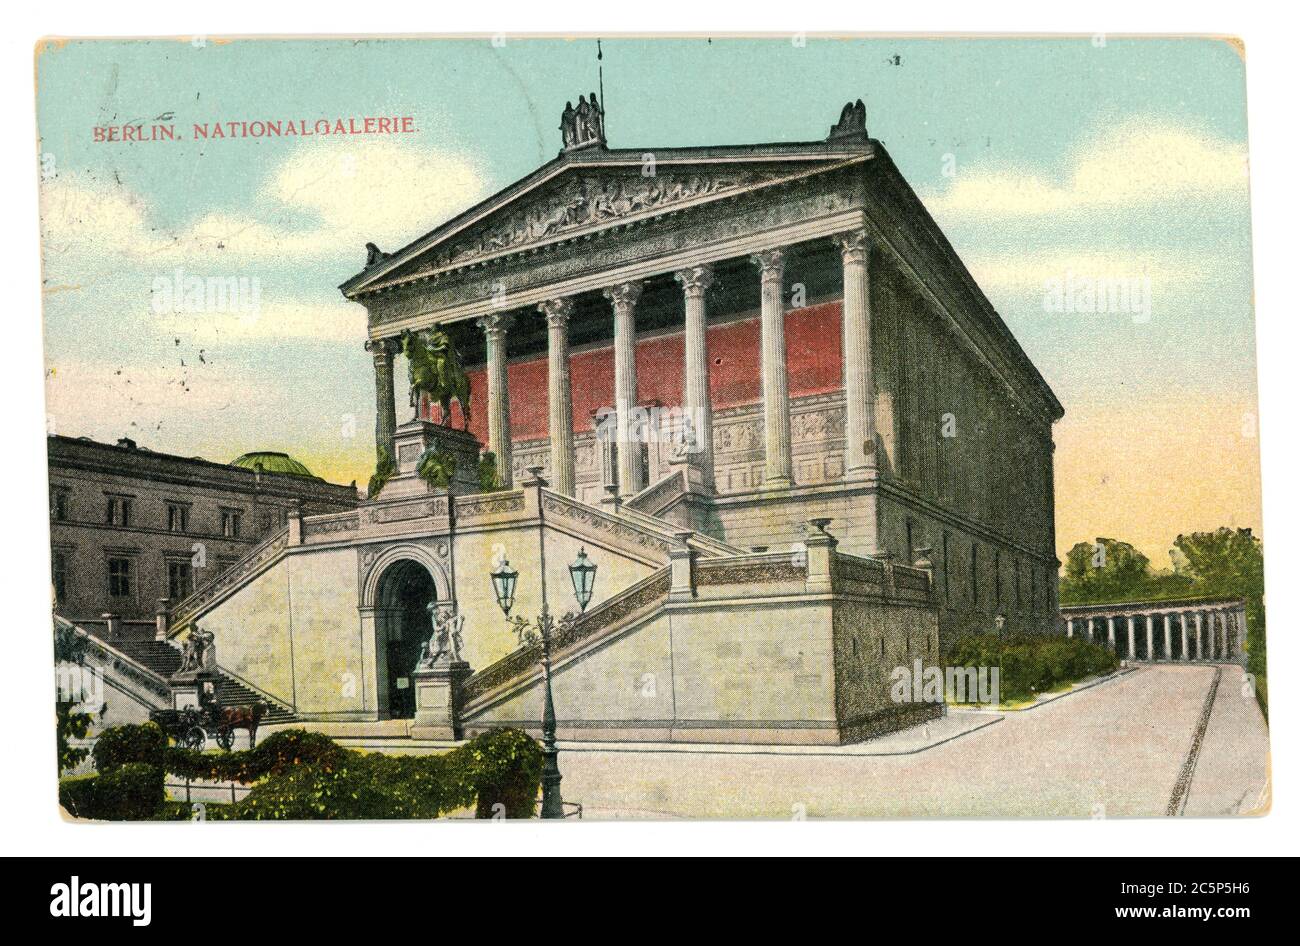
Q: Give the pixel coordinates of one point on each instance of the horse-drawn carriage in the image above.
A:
(190, 727)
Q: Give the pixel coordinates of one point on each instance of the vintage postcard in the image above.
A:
(638, 427)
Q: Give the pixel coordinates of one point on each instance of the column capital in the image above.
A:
(382, 347)
(557, 311)
(624, 295)
(496, 324)
(771, 262)
(854, 246)
(695, 280)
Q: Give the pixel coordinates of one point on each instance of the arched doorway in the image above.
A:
(403, 623)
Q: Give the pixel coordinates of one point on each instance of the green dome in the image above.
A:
(271, 462)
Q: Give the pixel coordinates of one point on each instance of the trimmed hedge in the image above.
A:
(1033, 663)
(133, 792)
(301, 775)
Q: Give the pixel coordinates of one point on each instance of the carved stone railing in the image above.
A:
(258, 559)
(332, 525)
(657, 496)
(130, 674)
(634, 531)
(636, 600)
(853, 574)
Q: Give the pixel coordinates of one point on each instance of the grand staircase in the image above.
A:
(161, 659)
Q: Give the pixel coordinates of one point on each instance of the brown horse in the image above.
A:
(229, 718)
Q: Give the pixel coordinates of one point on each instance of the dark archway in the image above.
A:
(405, 591)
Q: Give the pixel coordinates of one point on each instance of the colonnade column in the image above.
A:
(624, 298)
(1150, 637)
(1169, 641)
(1182, 618)
(859, 394)
(559, 393)
(695, 386)
(1110, 632)
(1223, 635)
(498, 393)
(383, 350)
(776, 392)
(1199, 650)
(1069, 627)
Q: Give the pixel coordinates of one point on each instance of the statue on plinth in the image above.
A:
(434, 371)
(198, 652)
(445, 643)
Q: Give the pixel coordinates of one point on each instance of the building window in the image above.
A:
(58, 503)
(59, 575)
(178, 517)
(230, 520)
(118, 511)
(180, 580)
(119, 577)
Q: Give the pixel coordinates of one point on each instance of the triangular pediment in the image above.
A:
(582, 196)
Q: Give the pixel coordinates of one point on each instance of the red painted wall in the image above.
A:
(812, 339)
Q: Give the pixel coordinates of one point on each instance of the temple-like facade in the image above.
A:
(753, 385)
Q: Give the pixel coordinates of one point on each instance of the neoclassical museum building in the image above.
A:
(753, 386)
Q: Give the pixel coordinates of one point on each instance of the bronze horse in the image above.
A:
(435, 371)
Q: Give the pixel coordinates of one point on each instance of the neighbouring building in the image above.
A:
(753, 385)
(131, 528)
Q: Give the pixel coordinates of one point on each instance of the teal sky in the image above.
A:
(1038, 158)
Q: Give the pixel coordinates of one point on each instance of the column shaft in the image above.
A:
(695, 381)
(1169, 641)
(1182, 619)
(1199, 651)
(776, 392)
(559, 393)
(627, 437)
(1150, 638)
(498, 394)
(383, 350)
(1132, 641)
(859, 396)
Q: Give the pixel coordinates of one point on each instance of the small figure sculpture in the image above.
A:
(852, 123)
(198, 652)
(584, 125)
(374, 255)
(446, 641)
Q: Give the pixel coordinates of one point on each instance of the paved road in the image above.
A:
(1114, 750)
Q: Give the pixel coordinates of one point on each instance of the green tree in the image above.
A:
(1105, 570)
(1229, 563)
(69, 648)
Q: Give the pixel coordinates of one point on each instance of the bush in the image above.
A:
(1034, 663)
(300, 775)
(132, 792)
(124, 745)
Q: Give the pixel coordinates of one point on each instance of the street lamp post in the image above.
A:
(504, 578)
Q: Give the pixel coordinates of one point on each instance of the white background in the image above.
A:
(29, 818)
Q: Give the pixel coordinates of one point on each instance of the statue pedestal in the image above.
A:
(193, 689)
(410, 442)
(437, 700)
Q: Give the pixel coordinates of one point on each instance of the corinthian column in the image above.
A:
(695, 384)
(557, 312)
(494, 326)
(776, 392)
(383, 350)
(859, 398)
(624, 297)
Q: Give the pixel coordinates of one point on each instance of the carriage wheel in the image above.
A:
(225, 738)
(193, 738)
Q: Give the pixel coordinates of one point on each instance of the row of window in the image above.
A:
(119, 510)
(121, 576)
(1025, 594)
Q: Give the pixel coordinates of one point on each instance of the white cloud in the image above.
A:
(107, 401)
(1031, 272)
(1139, 163)
(323, 200)
(280, 321)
